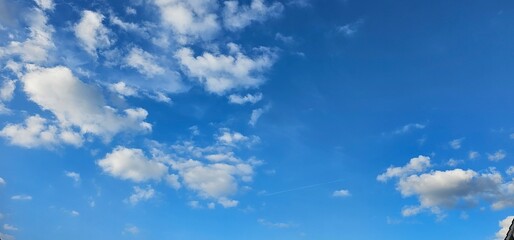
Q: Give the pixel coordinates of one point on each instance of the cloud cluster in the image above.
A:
(415, 165)
(236, 17)
(213, 172)
(132, 164)
(141, 194)
(91, 32)
(449, 189)
(203, 20)
(7, 88)
(35, 49)
(504, 227)
(38, 132)
(219, 73)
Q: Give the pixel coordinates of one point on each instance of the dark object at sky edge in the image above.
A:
(510, 233)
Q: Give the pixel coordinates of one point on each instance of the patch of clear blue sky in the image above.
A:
(446, 64)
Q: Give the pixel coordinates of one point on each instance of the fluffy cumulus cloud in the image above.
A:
(233, 138)
(2, 182)
(143, 62)
(39, 132)
(236, 17)
(141, 194)
(7, 88)
(214, 172)
(214, 181)
(132, 164)
(36, 47)
(91, 32)
(219, 73)
(123, 89)
(417, 164)
(190, 20)
(45, 4)
(456, 188)
(504, 227)
(77, 104)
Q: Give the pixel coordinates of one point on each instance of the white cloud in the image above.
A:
(4, 236)
(2, 182)
(22, 197)
(73, 175)
(132, 27)
(75, 103)
(160, 97)
(473, 155)
(453, 162)
(74, 213)
(213, 172)
(45, 4)
(284, 39)
(415, 165)
(504, 227)
(130, 11)
(214, 181)
(236, 17)
(341, 193)
(37, 132)
(411, 211)
(221, 73)
(220, 157)
(132, 164)
(248, 98)
(7, 90)
(141, 194)
(39, 41)
(228, 137)
(456, 143)
(409, 127)
(219, 177)
(497, 156)
(256, 115)
(9, 227)
(91, 33)
(143, 62)
(190, 20)
(350, 29)
(123, 89)
(173, 181)
(131, 229)
(509, 171)
(456, 188)
(266, 223)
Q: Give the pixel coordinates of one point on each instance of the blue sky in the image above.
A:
(256, 119)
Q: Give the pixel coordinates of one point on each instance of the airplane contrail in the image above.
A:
(301, 188)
